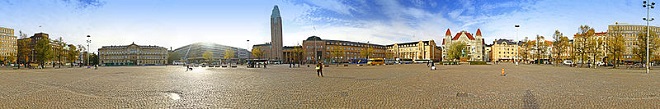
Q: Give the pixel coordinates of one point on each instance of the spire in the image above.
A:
(478, 32)
(276, 12)
(448, 32)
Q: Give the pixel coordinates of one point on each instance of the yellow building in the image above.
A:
(421, 50)
(504, 50)
(7, 44)
(133, 55)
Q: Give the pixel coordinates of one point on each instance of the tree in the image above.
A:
(525, 47)
(208, 56)
(541, 48)
(257, 53)
(640, 50)
(11, 58)
(595, 46)
(456, 50)
(229, 54)
(82, 50)
(559, 46)
(44, 51)
(58, 51)
(367, 52)
(582, 47)
(173, 56)
(337, 52)
(24, 51)
(94, 59)
(615, 46)
(72, 54)
(298, 54)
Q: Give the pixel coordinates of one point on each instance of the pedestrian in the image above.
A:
(319, 69)
(432, 65)
(187, 67)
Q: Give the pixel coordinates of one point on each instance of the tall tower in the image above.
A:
(276, 34)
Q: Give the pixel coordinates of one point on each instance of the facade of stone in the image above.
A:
(504, 50)
(421, 50)
(132, 54)
(265, 51)
(629, 33)
(8, 45)
(317, 49)
(475, 44)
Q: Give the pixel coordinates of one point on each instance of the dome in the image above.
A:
(315, 38)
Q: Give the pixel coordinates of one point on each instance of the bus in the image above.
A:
(376, 61)
(357, 61)
(406, 61)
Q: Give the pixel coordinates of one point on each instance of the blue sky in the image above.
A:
(175, 23)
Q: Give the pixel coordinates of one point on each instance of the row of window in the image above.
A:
(138, 57)
(353, 44)
(133, 52)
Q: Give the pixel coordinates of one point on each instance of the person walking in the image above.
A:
(319, 69)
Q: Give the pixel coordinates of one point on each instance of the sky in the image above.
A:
(175, 23)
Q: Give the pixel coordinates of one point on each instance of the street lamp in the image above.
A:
(648, 8)
(517, 47)
(88, 41)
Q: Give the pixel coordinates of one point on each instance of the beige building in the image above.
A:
(421, 50)
(475, 44)
(629, 33)
(7, 44)
(504, 50)
(133, 55)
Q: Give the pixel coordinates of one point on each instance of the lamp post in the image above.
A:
(648, 7)
(88, 41)
(517, 46)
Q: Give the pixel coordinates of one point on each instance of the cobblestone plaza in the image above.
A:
(392, 86)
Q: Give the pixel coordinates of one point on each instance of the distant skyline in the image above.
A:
(175, 23)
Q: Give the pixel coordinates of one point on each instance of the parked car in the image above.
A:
(568, 62)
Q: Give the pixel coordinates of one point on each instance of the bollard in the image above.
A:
(503, 74)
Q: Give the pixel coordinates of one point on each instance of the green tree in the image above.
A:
(456, 50)
(640, 50)
(72, 54)
(44, 51)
